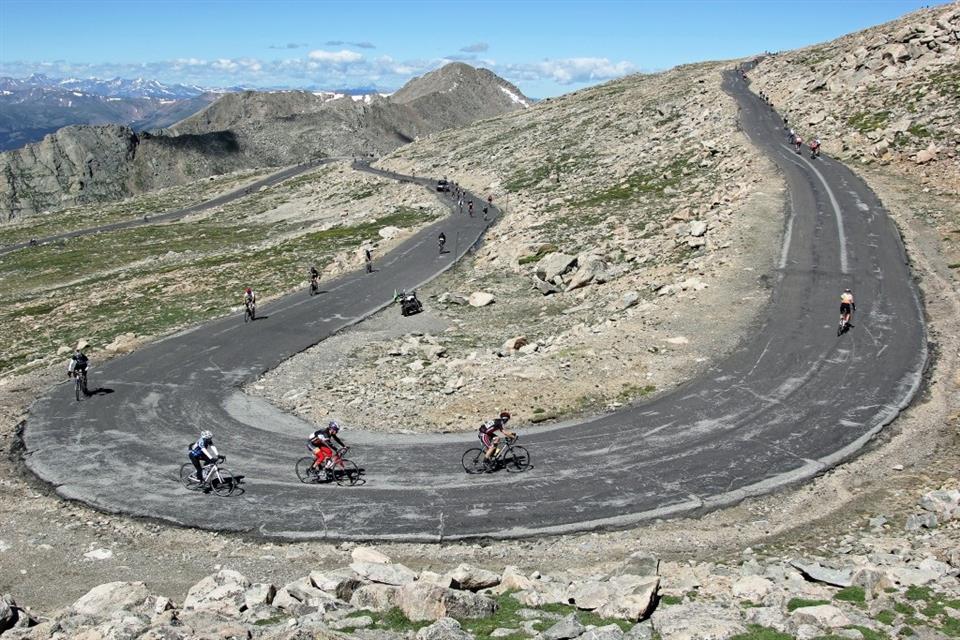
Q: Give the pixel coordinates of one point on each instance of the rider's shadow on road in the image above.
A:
(100, 391)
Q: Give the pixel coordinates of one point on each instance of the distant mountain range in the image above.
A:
(230, 131)
(32, 107)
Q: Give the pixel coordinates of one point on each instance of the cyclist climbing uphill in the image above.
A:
(78, 361)
(202, 453)
(323, 443)
(847, 306)
(488, 433)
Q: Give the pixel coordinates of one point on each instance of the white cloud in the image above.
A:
(343, 56)
(571, 70)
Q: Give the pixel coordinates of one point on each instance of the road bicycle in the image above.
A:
(80, 383)
(844, 326)
(508, 455)
(314, 286)
(335, 469)
(220, 479)
(250, 314)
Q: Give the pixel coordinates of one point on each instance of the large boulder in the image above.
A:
(375, 597)
(640, 563)
(443, 629)
(590, 594)
(553, 265)
(606, 632)
(369, 554)
(569, 627)
(480, 299)
(591, 269)
(302, 597)
(823, 616)
(225, 586)
(11, 615)
(116, 599)
(697, 621)
(473, 578)
(513, 580)
(631, 601)
(420, 601)
(394, 574)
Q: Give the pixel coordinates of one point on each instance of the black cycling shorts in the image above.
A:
(845, 308)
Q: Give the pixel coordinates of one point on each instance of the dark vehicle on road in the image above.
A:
(409, 303)
(443, 186)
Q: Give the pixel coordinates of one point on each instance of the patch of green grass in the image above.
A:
(919, 131)
(396, 620)
(757, 632)
(955, 265)
(854, 595)
(585, 617)
(906, 632)
(633, 391)
(868, 633)
(798, 603)
(669, 600)
(933, 606)
(272, 620)
(543, 250)
(505, 616)
(636, 184)
(886, 617)
(864, 121)
(904, 609)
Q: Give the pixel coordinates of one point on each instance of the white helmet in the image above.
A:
(206, 435)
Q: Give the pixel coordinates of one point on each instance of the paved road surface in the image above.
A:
(793, 400)
(170, 216)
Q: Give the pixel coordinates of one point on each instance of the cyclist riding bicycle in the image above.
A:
(314, 274)
(78, 361)
(203, 453)
(441, 240)
(488, 430)
(847, 306)
(323, 443)
(815, 147)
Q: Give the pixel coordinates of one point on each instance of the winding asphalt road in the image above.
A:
(176, 214)
(791, 401)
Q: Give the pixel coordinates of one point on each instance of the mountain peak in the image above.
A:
(459, 77)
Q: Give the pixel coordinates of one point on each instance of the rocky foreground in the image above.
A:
(884, 582)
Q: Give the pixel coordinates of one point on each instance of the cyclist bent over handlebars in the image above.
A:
(491, 427)
(202, 454)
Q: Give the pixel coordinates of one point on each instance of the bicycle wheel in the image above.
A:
(83, 385)
(187, 470)
(346, 473)
(517, 459)
(222, 483)
(472, 461)
(306, 472)
(76, 387)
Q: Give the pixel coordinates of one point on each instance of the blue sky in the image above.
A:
(545, 48)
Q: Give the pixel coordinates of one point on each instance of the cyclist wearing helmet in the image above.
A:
(249, 297)
(322, 443)
(203, 452)
(847, 306)
(488, 430)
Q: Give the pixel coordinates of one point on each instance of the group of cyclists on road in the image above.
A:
(325, 443)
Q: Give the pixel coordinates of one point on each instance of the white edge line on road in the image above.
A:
(836, 212)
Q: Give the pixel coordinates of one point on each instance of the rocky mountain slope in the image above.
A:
(889, 95)
(242, 130)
